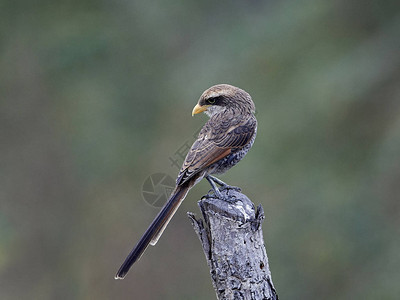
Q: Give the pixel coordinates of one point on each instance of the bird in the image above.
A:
(222, 142)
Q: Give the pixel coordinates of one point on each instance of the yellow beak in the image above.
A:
(198, 109)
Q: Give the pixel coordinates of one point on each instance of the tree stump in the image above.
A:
(232, 240)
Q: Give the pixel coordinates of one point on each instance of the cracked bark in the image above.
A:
(232, 241)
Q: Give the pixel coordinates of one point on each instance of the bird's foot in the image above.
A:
(214, 193)
(223, 185)
(221, 194)
(230, 187)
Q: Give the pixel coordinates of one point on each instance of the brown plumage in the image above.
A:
(222, 142)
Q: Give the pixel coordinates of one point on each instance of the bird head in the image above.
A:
(223, 97)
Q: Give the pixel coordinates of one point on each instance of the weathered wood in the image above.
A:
(232, 240)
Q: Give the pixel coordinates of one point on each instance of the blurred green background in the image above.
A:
(95, 96)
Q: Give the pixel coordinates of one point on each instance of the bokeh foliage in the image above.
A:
(96, 95)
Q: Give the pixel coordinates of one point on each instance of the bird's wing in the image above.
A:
(216, 140)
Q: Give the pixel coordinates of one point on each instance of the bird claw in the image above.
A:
(209, 195)
(223, 187)
(230, 187)
(212, 194)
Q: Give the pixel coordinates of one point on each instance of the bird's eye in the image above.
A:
(211, 100)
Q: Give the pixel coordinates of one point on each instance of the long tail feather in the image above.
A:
(155, 229)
